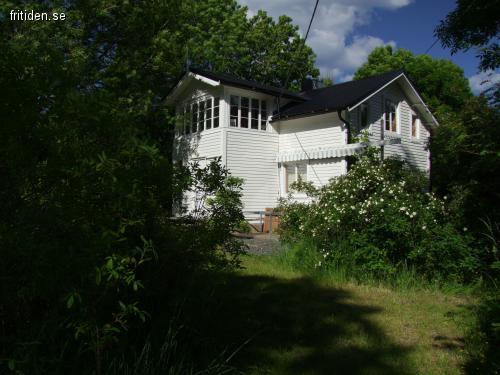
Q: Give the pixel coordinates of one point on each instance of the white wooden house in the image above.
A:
(270, 137)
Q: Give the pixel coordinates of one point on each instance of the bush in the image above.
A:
(378, 218)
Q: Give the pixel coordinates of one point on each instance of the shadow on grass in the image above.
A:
(295, 327)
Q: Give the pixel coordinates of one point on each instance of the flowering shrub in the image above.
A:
(379, 217)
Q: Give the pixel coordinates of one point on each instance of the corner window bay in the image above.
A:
(202, 114)
(247, 113)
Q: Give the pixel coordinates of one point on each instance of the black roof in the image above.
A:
(335, 97)
(232, 80)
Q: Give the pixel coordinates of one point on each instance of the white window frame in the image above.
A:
(187, 108)
(296, 170)
(260, 119)
(396, 113)
(418, 123)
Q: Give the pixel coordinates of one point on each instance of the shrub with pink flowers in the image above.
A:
(378, 218)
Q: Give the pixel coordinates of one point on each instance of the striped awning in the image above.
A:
(331, 152)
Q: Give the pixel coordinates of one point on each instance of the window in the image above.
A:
(254, 114)
(233, 116)
(263, 115)
(216, 112)
(363, 115)
(247, 113)
(294, 173)
(244, 112)
(201, 115)
(391, 123)
(415, 126)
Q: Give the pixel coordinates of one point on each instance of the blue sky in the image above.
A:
(345, 31)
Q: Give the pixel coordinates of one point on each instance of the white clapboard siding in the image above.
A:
(311, 132)
(251, 155)
(207, 144)
(321, 171)
(412, 150)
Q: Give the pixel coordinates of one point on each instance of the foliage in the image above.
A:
(473, 24)
(89, 245)
(220, 36)
(377, 219)
(466, 157)
(441, 83)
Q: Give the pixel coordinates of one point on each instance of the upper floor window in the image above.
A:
(201, 115)
(363, 115)
(247, 113)
(415, 126)
(390, 117)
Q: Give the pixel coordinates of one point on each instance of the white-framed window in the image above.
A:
(201, 114)
(294, 173)
(363, 115)
(391, 123)
(414, 126)
(247, 113)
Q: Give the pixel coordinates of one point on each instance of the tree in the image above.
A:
(473, 24)
(441, 83)
(86, 175)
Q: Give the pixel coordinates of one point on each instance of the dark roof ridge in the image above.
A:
(399, 71)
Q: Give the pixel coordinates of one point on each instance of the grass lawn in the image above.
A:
(286, 322)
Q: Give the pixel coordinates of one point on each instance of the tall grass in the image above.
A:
(303, 256)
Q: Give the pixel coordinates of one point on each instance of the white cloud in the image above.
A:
(483, 81)
(339, 48)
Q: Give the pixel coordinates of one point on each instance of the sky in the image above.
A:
(344, 32)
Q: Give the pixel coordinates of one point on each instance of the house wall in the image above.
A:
(251, 155)
(414, 151)
(306, 133)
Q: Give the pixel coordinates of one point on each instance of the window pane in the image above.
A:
(208, 113)
(290, 176)
(235, 101)
(216, 111)
(394, 125)
(244, 112)
(216, 122)
(216, 101)
(414, 126)
(201, 116)
(302, 172)
(388, 115)
(254, 114)
(364, 115)
(263, 115)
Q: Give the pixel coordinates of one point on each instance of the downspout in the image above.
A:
(348, 128)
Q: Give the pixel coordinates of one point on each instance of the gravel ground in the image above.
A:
(262, 243)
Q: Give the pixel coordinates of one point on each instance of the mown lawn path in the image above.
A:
(284, 322)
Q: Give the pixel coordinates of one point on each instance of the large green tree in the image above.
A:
(441, 83)
(85, 170)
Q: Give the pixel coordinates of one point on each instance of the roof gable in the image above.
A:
(349, 95)
(336, 97)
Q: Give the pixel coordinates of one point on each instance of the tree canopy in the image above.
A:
(473, 24)
(441, 83)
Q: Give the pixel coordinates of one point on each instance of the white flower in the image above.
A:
(424, 227)
(381, 210)
(465, 229)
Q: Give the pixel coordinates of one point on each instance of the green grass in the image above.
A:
(280, 321)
